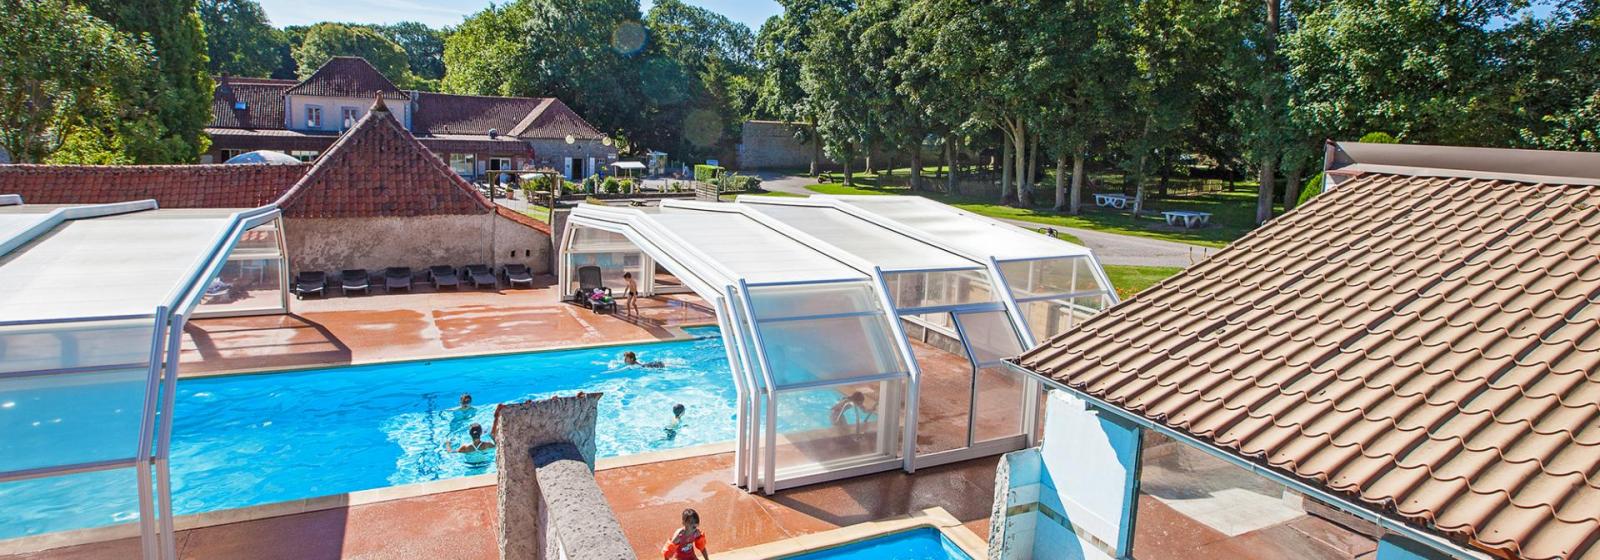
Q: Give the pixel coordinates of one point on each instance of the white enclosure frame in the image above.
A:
(727, 277)
(151, 458)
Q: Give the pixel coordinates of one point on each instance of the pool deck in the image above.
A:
(647, 500)
(343, 330)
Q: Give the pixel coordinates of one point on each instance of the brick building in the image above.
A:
(475, 135)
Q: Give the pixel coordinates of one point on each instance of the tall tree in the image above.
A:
(781, 48)
(582, 51)
(40, 105)
(327, 40)
(180, 87)
(424, 47)
(1555, 62)
(1082, 107)
(837, 88)
(698, 79)
(239, 39)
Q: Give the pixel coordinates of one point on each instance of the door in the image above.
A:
(568, 171)
(968, 404)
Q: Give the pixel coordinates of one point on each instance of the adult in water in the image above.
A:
(677, 421)
(632, 359)
(477, 450)
(461, 415)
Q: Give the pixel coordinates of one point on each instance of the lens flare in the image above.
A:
(628, 38)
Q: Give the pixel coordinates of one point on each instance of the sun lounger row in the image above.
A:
(351, 281)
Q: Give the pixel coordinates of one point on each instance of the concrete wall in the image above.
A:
(331, 111)
(521, 428)
(332, 244)
(552, 153)
(772, 145)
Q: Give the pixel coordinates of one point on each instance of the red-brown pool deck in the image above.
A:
(647, 500)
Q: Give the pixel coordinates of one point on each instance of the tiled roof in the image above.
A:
(1425, 345)
(262, 101)
(378, 169)
(348, 76)
(554, 119)
(281, 140)
(172, 186)
(442, 113)
(477, 144)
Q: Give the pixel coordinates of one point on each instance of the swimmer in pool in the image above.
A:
(461, 415)
(677, 421)
(840, 413)
(632, 359)
(477, 450)
(466, 402)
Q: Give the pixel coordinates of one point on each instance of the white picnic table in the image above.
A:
(1118, 201)
(1187, 218)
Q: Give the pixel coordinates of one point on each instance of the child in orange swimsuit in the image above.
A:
(686, 540)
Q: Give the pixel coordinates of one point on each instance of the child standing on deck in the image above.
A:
(686, 540)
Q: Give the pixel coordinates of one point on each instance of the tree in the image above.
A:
(1082, 106)
(179, 89)
(327, 40)
(836, 87)
(424, 47)
(239, 39)
(40, 105)
(780, 50)
(1556, 90)
(585, 52)
(698, 79)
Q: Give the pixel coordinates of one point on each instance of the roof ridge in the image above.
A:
(361, 69)
(527, 121)
(479, 96)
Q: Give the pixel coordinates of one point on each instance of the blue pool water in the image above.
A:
(925, 543)
(255, 439)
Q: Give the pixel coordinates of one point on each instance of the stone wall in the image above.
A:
(519, 430)
(578, 524)
(331, 244)
(773, 145)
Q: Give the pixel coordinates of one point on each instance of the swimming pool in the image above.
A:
(245, 440)
(923, 543)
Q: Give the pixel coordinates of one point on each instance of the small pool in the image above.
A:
(924, 543)
(245, 440)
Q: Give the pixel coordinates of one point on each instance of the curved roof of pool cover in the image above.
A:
(771, 240)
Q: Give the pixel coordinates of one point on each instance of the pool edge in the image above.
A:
(75, 537)
(679, 334)
(935, 517)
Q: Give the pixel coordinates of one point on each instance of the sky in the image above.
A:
(439, 13)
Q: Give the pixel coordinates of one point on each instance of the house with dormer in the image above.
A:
(478, 136)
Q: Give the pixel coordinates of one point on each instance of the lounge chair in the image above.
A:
(518, 274)
(310, 283)
(396, 278)
(442, 276)
(355, 280)
(589, 281)
(481, 275)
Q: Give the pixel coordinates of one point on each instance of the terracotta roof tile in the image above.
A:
(443, 113)
(554, 119)
(248, 103)
(1427, 346)
(378, 169)
(347, 76)
(172, 186)
(280, 140)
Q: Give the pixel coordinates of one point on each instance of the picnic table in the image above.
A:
(1187, 218)
(1118, 201)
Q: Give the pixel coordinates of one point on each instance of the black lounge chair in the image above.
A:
(355, 280)
(518, 274)
(310, 283)
(397, 278)
(481, 275)
(588, 281)
(442, 276)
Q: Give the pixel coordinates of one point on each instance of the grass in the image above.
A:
(1130, 280)
(538, 213)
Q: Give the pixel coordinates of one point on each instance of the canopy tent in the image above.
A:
(90, 329)
(627, 168)
(829, 310)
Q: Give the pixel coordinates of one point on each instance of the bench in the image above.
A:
(1189, 219)
(1118, 201)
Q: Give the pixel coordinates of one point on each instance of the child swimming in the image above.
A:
(677, 421)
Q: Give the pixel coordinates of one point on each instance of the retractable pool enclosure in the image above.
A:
(861, 339)
(92, 311)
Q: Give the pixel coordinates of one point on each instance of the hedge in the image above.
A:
(706, 173)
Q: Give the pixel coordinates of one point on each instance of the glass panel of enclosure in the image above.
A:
(944, 390)
(1055, 294)
(924, 289)
(836, 427)
(251, 279)
(611, 252)
(1184, 491)
(997, 394)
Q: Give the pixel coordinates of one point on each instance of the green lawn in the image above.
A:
(1130, 280)
(538, 213)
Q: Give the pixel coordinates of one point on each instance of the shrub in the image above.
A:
(707, 173)
(628, 186)
(1311, 190)
(591, 184)
(1378, 138)
(611, 185)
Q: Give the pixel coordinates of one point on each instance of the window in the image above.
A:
(500, 164)
(348, 117)
(313, 116)
(464, 164)
(230, 154)
(304, 155)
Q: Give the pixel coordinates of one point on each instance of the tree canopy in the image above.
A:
(324, 41)
(240, 41)
(175, 98)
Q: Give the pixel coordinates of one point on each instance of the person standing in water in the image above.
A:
(677, 421)
(476, 451)
(632, 293)
(461, 415)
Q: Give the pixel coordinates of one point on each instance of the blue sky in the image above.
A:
(438, 13)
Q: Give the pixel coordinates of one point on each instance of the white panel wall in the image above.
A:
(1090, 462)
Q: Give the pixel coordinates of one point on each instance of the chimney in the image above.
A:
(378, 106)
